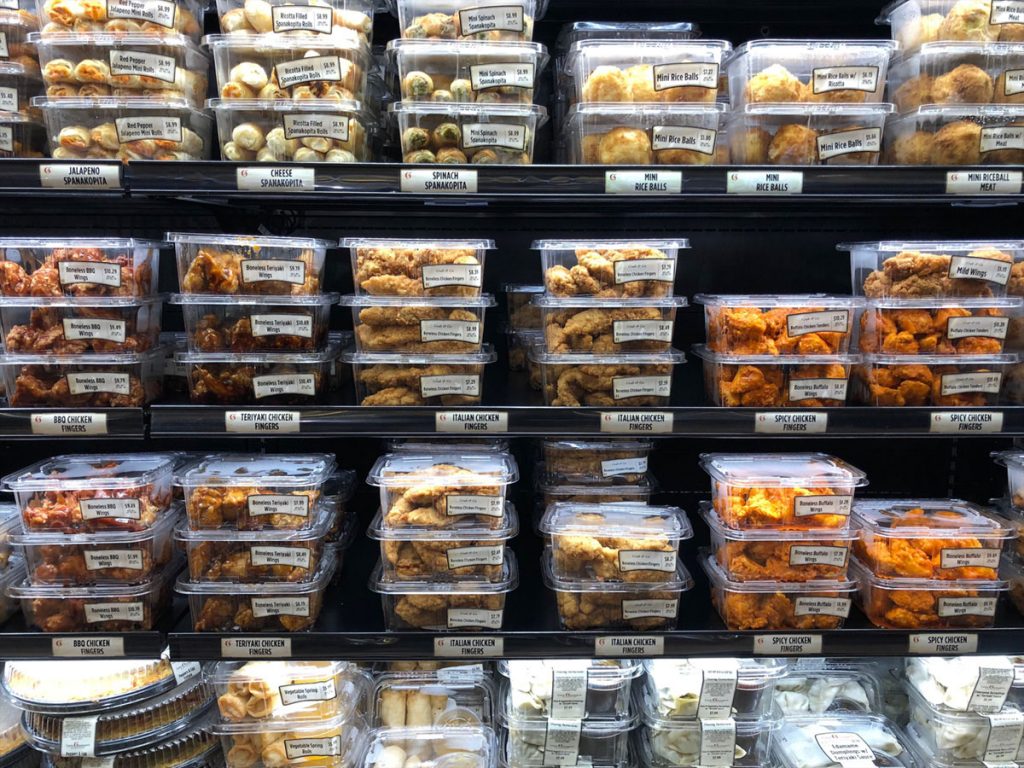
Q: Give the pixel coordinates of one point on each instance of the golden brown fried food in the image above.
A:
(398, 271)
(930, 331)
(916, 385)
(388, 384)
(624, 146)
(914, 93)
(957, 143)
(914, 274)
(233, 272)
(50, 279)
(969, 20)
(774, 84)
(582, 459)
(47, 385)
(606, 272)
(228, 613)
(602, 384)
(920, 609)
(606, 330)
(777, 561)
(757, 507)
(793, 144)
(772, 610)
(264, 384)
(245, 562)
(611, 610)
(912, 149)
(419, 329)
(425, 500)
(744, 330)
(212, 507)
(750, 386)
(445, 610)
(966, 84)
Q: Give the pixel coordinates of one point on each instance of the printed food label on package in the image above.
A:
(970, 557)
(446, 275)
(810, 554)
(143, 64)
(822, 606)
(263, 607)
(484, 76)
(1007, 12)
(508, 18)
(700, 140)
(1013, 81)
(159, 12)
(1001, 137)
(624, 387)
(304, 125)
(568, 694)
(474, 617)
(987, 382)
(93, 383)
(985, 327)
(469, 504)
(4, 50)
(966, 606)
(624, 331)
(89, 273)
(291, 271)
(100, 612)
(309, 70)
(828, 79)
(303, 18)
(993, 685)
(1004, 737)
(294, 505)
(296, 693)
(467, 331)
(300, 748)
(437, 386)
(282, 325)
(847, 142)
(466, 557)
(649, 609)
(646, 560)
(685, 75)
(717, 690)
(616, 467)
(284, 384)
(717, 743)
(296, 557)
(102, 559)
(6, 137)
(78, 736)
(826, 321)
(817, 389)
(979, 268)
(102, 509)
(89, 329)
(505, 135)
(804, 506)
(562, 741)
(657, 270)
(8, 99)
(848, 749)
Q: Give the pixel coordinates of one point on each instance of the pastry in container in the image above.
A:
(768, 554)
(224, 606)
(913, 603)
(595, 379)
(21, 135)
(967, 326)
(917, 22)
(518, 345)
(65, 325)
(807, 134)
(619, 462)
(958, 73)
(403, 378)
(532, 742)
(19, 83)
(611, 543)
(777, 605)
(443, 324)
(333, 741)
(482, 20)
(337, 18)
(663, 743)
(552, 490)
(523, 314)
(834, 686)
(940, 380)
(845, 737)
(457, 133)
(1013, 460)
(957, 135)
(609, 268)
(167, 18)
(17, 21)
(981, 684)
(592, 324)
(87, 493)
(429, 747)
(781, 381)
(417, 267)
(255, 323)
(544, 687)
(470, 72)
(10, 524)
(467, 605)
(709, 689)
(12, 575)
(799, 491)
(257, 692)
(432, 699)
(12, 740)
(588, 603)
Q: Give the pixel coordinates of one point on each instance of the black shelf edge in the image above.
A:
(87, 177)
(81, 645)
(90, 423)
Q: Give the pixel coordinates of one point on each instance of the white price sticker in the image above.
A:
(302, 18)
(830, 79)
(96, 613)
(649, 609)
(993, 685)
(973, 422)
(311, 125)
(103, 559)
(466, 331)
(632, 422)
(469, 557)
(979, 268)
(717, 690)
(1007, 12)
(647, 560)
(508, 18)
(159, 12)
(717, 743)
(261, 422)
(806, 506)
(293, 557)
(471, 421)
(504, 135)
(970, 557)
(626, 331)
(276, 385)
(263, 607)
(8, 99)
(68, 424)
(817, 389)
(849, 750)
(448, 275)
(132, 63)
(625, 646)
(764, 182)
(1006, 731)
(511, 75)
(943, 643)
(840, 143)
(5, 53)
(255, 271)
(293, 505)
(1013, 82)
(298, 693)
(827, 321)
(787, 645)
(6, 132)
(810, 554)
(822, 606)
(79, 176)
(643, 183)
(297, 749)
(568, 694)
(94, 329)
(983, 327)
(87, 647)
(104, 509)
(439, 182)
(78, 736)
(984, 182)
(627, 387)
(456, 384)
(89, 273)
(648, 270)
(282, 325)
(671, 137)
(256, 647)
(685, 75)
(308, 70)
(789, 423)
(562, 742)
(185, 670)
(618, 467)
(468, 647)
(461, 618)
(458, 504)
(278, 178)
(94, 383)
(949, 607)
(1002, 138)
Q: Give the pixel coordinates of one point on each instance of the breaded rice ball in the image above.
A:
(776, 83)
(967, 84)
(968, 20)
(606, 84)
(913, 93)
(755, 146)
(793, 145)
(624, 146)
(957, 143)
(912, 149)
(1011, 33)
(681, 157)
(640, 78)
(589, 148)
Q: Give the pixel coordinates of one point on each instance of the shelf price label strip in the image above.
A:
(276, 178)
(643, 182)
(80, 176)
(988, 182)
(257, 422)
(769, 183)
(965, 422)
(438, 181)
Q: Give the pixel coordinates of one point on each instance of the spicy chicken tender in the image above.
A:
(771, 610)
(741, 330)
(759, 507)
(926, 331)
(235, 613)
(48, 279)
(389, 384)
(606, 272)
(214, 507)
(424, 502)
(435, 611)
(600, 330)
(419, 329)
(916, 385)
(397, 271)
(232, 272)
(922, 608)
(776, 560)
(619, 384)
(914, 274)
(748, 386)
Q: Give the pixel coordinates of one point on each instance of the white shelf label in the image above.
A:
(984, 182)
(1006, 731)
(91, 329)
(643, 182)
(256, 647)
(949, 607)
(6, 132)
(471, 421)
(806, 506)
(829, 79)
(439, 182)
(616, 646)
(943, 643)
(969, 557)
(296, 749)
(309, 69)
(700, 140)
(93, 383)
(764, 182)
(276, 178)
(992, 686)
(849, 142)
(261, 422)
(514, 75)
(568, 694)
(629, 422)
(1007, 12)
(159, 12)
(5, 53)
(142, 128)
(455, 384)
(68, 424)
(78, 736)
(282, 325)
(822, 606)
(979, 268)
(1004, 137)
(104, 559)
(790, 422)
(849, 750)
(626, 387)
(787, 645)
(811, 554)
(717, 690)
(984, 327)
(802, 323)
(647, 560)
(959, 422)
(79, 176)
(562, 742)
(291, 271)
(469, 647)
(817, 389)
(653, 270)
(304, 125)
(624, 331)
(466, 331)
(185, 670)
(503, 135)
(685, 75)
(87, 647)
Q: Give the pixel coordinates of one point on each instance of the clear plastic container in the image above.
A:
(428, 444)
(938, 380)
(128, 65)
(1013, 570)
(807, 134)
(809, 71)
(583, 324)
(677, 743)
(777, 605)
(127, 380)
(908, 603)
(18, 85)
(518, 345)
(829, 687)
(79, 267)
(957, 135)
(12, 575)
(166, 18)
(484, 20)
(337, 18)
(114, 128)
(104, 325)
(1013, 460)
(677, 690)
(937, 326)
(621, 461)
(609, 543)
(981, 684)
(631, 379)
(21, 135)
(336, 741)
(958, 73)
(106, 557)
(17, 22)
(586, 603)
(444, 324)
(539, 688)
(800, 491)
(12, 740)
(10, 523)
(781, 381)
(417, 267)
(274, 691)
(577, 31)
(768, 554)
(249, 265)
(523, 314)
(916, 22)
(901, 269)
(221, 323)
(817, 740)
(223, 606)
(401, 378)
(446, 747)
(551, 490)
(609, 268)
(534, 742)
(947, 738)
(407, 700)
(467, 605)
(458, 133)
(93, 492)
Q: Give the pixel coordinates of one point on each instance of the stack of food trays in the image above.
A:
(956, 83)
(256, 319)
(523, 328)
(566, 712)
(776, 351)
(97, 541)
(451, 746)
(438, 698)
(255, 536)
(608, 315)
(418, 313)
(615, 565)
(814, 687)
(12, 565)
(21, 132)
(128, 713)
(288, 714)
(81, 322)
(444, 524)
(780, 539)
(1011, 508)
(808, 102)
(936, 321)
(689, 720)
(1013, 381)
(821, 740)
(14, 751)
(467, 70)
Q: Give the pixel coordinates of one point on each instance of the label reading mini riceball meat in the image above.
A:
(805, 506)
(504, 135)
(825, 321)
(625, 331)
(1006, 12)
(293, 505)
(810, 554)
(625, 387)
(982, 327)
(986, 382)
(305, 126)
(511, 75)
(817, 389)
(302, 18)
(282, 325)
(262, 607)
(466, 331)
(847, 142)
(309, 70)
(104, 509)
(685, 75)
(656, 270)
(89, 273)
(8, 99)
(828, 79)
(291, 271)
(438, 386)
(700, 140)
(508, 18)
(1013, 81)
(1001, 137)
(6, 139)
(980, 268)
(143, 64)
(100, 612)
(822, 606)
(95, 383)
(159, 12)
(274, 385)
(293, 557)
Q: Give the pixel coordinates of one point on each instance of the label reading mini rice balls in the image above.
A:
(685, 75)
(1001, 137)
(700, 140)
(304, 125)
(1006, 12)
(1013, 82)
(848, 142)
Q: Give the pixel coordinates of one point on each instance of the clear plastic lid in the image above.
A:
(90, 359)
(601, 673)
(261, 300)
(486, 50)
(670, 357)
(522, 288)
(590, 728)
(942, 719)
(1010, 459)
(249, 242)
(101, 302)
(749, 672)
(987, 113)
(780, 300)
(969, 303)
(774, 535)
(298, 726)
(814, 110)
(842, 739)
(629, 30)
(106, 40)
(598, 446)
(746, 728)
(416, 243)
(467, 747)
(598, 302)
(85, 243)
(818, 686)
(485, 355)
(57, 538)
(720, 580)
(400, 470)
(862, 573)
(74, 472)
(464, 528)
(335, 741)
(284, 106)
(129, 104)
(470, 110)
(567, 518)
(1007, 358)
(422, 445)
(940, 246)
(340, 39)
(929, 519)
(472, 585)
(964, 683)
(148, 590)
(547, 483)
(572, 245)
(782, 470)
(455, 700)
(363, 300)
(194, 747)
(341, 484)
(286, 536)
(331, 353)
(774, 47)
(249, 469)
(681, 581)
(287, 589)
(20, 71)
(728, 358)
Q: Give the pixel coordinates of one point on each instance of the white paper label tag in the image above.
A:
(717, 743)
(805, 506)
(629, 422)
(274, 385)
(811, 554)
(308, 70)
(263, 607)
(643, 183)
(4, 51)
(467, 647)
(103, 509)
(700, 140)
(848, 749)
(291, 271)
(649, 609)
(102, 559)
(261, 422)
(1002, 137)
(949, 607)
(6, 132)
(568, 694)
(617, 467)
(977, 422)
(447, 275)
(159, 12)
(89, 273)
(459, 618)
(1013, 81)
(827, 321)
(89, 329)
(1006, 12)
(817, 389)
(562, 742)
(685, 75)
(625, 387)
(128, 63)
(983, 327)
(458, 504)
(717, 691)
(970, 557)
(993, 685)
(78, 736)
(786, 423)
(309, 125)
(467, 331)
(1004, 737)
(276, 178)
(822, 606)
(256, 647)
(943, 643)
(282, 325)
(977, 268)
(294, 557)
(471, 421)
(624, 646)
(624, 331)
(298, 693)
(100, 612)
(8, 99)
(438, 386)
(504, 135)
(94, 383)
(69, 424)
(652, 270)
(511, 75)
(439, 182)
(302, 18)
(460, 674)
(984, 182)
(764, 182)
(294, 505)
(468, 557)
(87, 647)
(79, 176)
(646, 560)
(848, 142)
(787, 645)
(509, 18)
(829, 79)
(297, 749)
(185, 670)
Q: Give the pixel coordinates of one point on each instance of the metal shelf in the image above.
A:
(63, 423)
(19, 642)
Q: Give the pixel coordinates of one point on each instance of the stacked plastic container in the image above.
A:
(449, 697)
(467, 72)
(777, 351)
(256, 319)
(836, 738)
(21, 130)
(780, 539)
(444, 525)
(256, 536)
(936, 321)
(418, 313)
(1011, 508)
(81, 322)
(96, 536)
(956, 82)
(12, 564)
(523, 328)
(608, 314)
